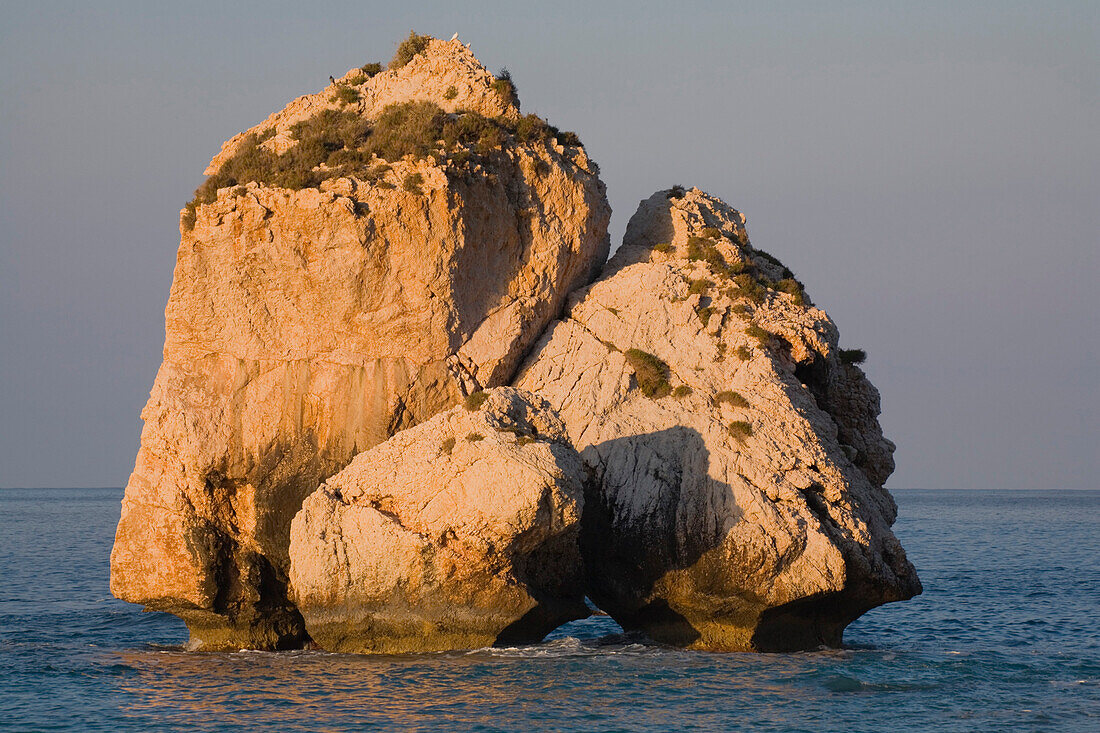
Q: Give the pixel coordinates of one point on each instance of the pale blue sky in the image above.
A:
(930, 170)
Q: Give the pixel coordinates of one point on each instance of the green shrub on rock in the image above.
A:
(739, 429)
(412, 183)
(651, 372)
(762, 335)
(409, 48)
(345, 94)
(506, 88)
(853, 356)
(731, 398)
(700, 286)
(475, 400)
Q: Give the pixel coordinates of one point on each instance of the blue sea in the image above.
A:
(1005, 637)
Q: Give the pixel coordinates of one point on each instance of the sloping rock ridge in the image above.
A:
(737, 501)
(354, 264)
(461, 532)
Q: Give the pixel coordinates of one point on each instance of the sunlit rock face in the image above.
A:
(738, 500)
(308, 324)
(461, 532)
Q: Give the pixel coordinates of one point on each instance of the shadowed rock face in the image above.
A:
(305, 326)
(458, 533)
(738, 500)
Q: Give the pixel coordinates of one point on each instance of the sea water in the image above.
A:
(1005, 637)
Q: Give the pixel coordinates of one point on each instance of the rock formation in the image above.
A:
(354, 264)
(458, 533)
(737, 501)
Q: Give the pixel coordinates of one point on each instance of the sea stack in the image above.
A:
(354, 264)
(737, 502)
(405, 406)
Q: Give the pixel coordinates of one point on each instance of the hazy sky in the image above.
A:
(930, 170)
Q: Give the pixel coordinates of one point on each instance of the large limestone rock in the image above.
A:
(307, 325)
(460, 532)
(739, 462)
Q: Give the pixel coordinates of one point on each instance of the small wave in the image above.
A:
(844, 683)
(569, 646)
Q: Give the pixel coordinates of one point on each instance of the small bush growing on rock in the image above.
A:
(524, 440)
(492, 139)
(681, 391)
(371, 69)
(665, 247)
(744, 280)
(459, 158)
(651, 372)
(447, 446)
(700, 286)
(764, 255)
(744, 353)
(345, 94)
(409, 48)
(474, 437)
(793, 287)
(566, 138)
(762, 335)
(471, 128)
(413, 182)
(532, 128)
(704, 312)
(750, 288)
(475, 400)
(451, 93)
(187, 219)
(406, 128)
(853, 356)
(705, 250)
(710, 233)
(676, 192)
(742, 310)
(505, 87)
(731, 398)
(740, 429)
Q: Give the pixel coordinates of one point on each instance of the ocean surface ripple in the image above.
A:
(1005, 637)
